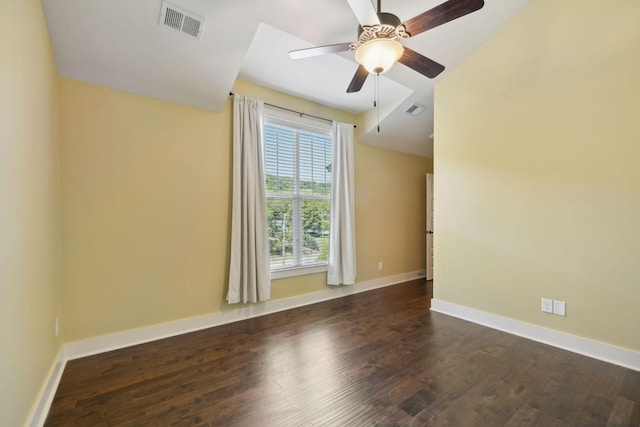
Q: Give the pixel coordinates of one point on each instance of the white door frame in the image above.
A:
(429, 228)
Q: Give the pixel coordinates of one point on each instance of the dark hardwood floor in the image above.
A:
(375, 358)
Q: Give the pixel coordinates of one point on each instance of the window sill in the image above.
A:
(298, 271)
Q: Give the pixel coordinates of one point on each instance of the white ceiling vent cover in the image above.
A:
(181, 20)
(414, 110)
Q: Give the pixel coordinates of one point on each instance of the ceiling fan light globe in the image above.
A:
(378, 55)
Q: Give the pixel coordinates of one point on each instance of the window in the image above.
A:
(298, 177)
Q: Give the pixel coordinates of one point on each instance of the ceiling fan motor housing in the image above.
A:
(390, 26)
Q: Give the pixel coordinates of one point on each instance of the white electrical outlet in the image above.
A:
(546, 305)
(559, 308)
(57, 326)
(380, 266)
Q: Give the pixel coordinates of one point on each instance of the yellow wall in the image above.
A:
(390, 211)
(537, 180)
(30, 286)
(146, 195)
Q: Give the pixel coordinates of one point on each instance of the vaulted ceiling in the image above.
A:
(120, 44)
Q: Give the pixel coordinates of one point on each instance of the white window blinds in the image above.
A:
(298, 178)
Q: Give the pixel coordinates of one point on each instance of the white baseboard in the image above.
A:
(40, 409)
(587, 347)
(101, 344)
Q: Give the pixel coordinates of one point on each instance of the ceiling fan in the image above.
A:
(378, 46)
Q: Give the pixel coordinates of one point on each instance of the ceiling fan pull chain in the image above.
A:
(375, 89)
(376, 102)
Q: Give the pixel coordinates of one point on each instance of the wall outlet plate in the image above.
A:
(559, 308)
(546, 305)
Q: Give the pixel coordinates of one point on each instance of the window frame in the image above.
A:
(300, 123)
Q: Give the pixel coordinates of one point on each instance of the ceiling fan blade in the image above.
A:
(320, 50)
(358, 80)
(441, 14)
(364, 12)
(420, 63)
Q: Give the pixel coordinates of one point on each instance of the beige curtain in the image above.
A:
(249, 272)
(342, 233)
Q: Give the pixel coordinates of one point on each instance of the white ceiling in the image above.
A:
(119, 44)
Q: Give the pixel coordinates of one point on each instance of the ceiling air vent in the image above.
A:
(414, 110)
(181, 20)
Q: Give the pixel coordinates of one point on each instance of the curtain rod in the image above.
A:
(294, 111)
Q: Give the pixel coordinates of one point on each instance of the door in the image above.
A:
(429, 227)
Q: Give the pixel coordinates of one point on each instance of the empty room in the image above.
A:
(335, 213)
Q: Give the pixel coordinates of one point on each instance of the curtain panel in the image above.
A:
(342, 234)
(249, 271)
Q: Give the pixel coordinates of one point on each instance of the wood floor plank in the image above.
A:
(378, 358)
(624, 413)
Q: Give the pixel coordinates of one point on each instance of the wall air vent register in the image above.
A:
(178, 19)
(414, 110)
